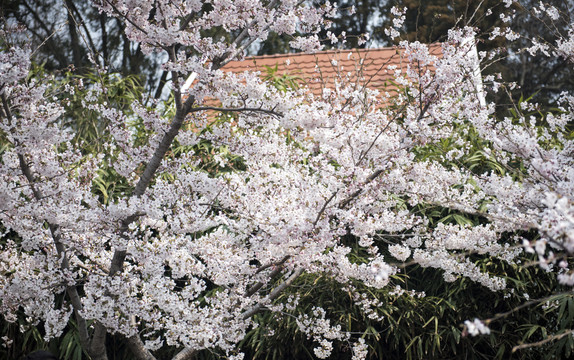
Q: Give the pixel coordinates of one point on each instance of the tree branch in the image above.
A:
(244, 34)
(138, 348)
(274, 294)
(98, 341)
(125, 16)
(364, 154)
(544, 341)
(81, 23)
(243, 109)
(253, 289)
(185, 354)
(61, 250)
(324, 207)
(372, 177)
(55, 232)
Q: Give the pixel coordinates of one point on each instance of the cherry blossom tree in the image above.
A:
(185, 257)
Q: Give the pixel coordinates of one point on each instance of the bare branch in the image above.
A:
(71, 8)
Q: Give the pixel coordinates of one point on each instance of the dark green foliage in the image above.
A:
(428, 327)
(282, 82)
(91, 129)
(27, 338)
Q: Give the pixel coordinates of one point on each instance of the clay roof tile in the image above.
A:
(323, 68)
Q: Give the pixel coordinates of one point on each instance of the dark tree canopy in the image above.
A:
(66, 32)
(429, 21)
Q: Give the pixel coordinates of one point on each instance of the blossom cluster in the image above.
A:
(186, 257)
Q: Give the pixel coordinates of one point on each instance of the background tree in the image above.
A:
(429, 22)
(65, 33)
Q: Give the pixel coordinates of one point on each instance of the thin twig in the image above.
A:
(278, 267)
(274, 294)
(324, 208)
(542, 342)
(243, 109)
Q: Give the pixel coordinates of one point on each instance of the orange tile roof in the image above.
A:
(368, 67)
